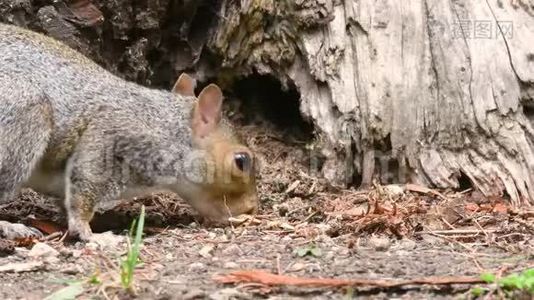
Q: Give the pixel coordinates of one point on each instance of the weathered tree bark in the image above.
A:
(424, 91)
(406, 81)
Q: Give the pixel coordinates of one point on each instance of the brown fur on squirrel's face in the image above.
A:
(222, 168)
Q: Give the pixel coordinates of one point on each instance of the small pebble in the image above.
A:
(286, 239)
(379, 243)
(76, 253)
(193, 225)
(407, 244)
(52, 261)
(394, 190)
(106, 240)
(71, 270)
(194, 294)
(206, 251)
(21, 252)
(297, 267)
(92, 246)
(42, 250)
(232, 250)
(230, 265)
(197, 267)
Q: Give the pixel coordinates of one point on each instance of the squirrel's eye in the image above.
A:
(242, 161)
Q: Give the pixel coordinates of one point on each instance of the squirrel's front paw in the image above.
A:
(80, 230)
(13, 231)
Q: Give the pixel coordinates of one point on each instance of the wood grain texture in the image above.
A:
(441, 85)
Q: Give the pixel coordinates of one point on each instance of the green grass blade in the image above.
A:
(128, 265)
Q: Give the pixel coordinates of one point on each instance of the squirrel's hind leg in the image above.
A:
(25, 129)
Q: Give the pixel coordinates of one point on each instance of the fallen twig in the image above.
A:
(53, 236)
(267, 278)
(22, 267)
(457, 231)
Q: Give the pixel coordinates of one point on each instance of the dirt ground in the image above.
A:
(305, 229)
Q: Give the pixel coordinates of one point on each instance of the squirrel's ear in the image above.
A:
(208, 111)
(185, 85)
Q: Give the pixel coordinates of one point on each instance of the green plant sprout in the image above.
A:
(128, 265)
(516, 282)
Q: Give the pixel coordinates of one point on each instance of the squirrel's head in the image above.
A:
(222, 170)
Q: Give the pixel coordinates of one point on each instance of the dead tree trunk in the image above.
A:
(425, 91)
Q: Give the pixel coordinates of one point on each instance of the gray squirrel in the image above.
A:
(71, 129)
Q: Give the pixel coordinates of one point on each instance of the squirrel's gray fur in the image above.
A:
(71, 129)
